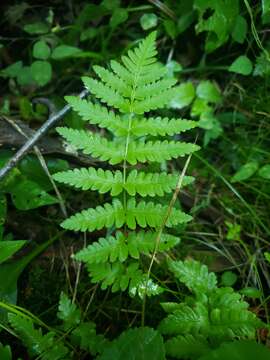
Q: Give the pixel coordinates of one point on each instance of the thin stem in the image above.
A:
(158, 238)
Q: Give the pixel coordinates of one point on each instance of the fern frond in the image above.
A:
(95, 219)
(139, 61)
(121, 278)
(113, 81)
(106, 94)
(160, 126)
(94, 179)
(144, 214)
(227, 298)
(120, 247)
(122, 72)
(187, 346)
(186, 320)
(68, 312)
(93, 144)
(158, 151)
(233, 323)
(154, 88)
(98, 115)
(194, 275)
(157, 101)
(150, 214)
(151, 184)
(46, 346)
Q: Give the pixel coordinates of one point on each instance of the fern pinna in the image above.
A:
(130, 89)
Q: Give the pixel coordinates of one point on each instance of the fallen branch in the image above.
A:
(52, 120)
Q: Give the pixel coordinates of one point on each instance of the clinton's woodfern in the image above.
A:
(130, 89)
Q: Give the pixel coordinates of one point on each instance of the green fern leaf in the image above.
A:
(187, 346)
(93, 144)
(46, 347)
(122, 278)
(139, 60)
(122, 72)
(85, 334)
(186, 320)
(158, 151)
(149, 214)
(118, 248)
(160, 126)
(113, 81)
(68, 312)
(95, 219)
(154, 88)
(233, 323)
(98, 115)
(194, 275)
(106, 94)
(152, 184)
(145, 243)
(135, 344)
(144, 214)
(157, 101)
(94, 179)
(145, 184)
(227, 298)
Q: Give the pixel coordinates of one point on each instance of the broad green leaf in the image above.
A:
(251, 292)
(119, 16)
(240, 28)
(5, 352)
(111, 4)
(217, 18)
(238, 350)
(29, 195)
(148, 21)
(36, 28)
(41, 50)
(208, 91)
(185, 21)
(88, 34)
(170, 28)
(242, 65)
(41, 71)
(228, 278)
(264, 172)
(245, 171)
(12, 70)
(10, 272)
(185, 94)
(65, 51)
(31, 168)
(25, 76)
(199, 107)
(136, 344)
(266, 11)
(8, 248)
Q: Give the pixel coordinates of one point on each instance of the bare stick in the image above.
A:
(36, 137)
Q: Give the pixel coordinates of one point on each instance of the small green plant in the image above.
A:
(73, 333)
(208, 317)
(130, 90)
